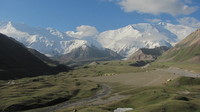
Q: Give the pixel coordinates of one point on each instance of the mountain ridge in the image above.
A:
(87, 54)
(124, 41)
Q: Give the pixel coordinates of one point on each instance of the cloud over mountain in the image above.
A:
(189, 21)
(83, 31)
(155, 7)
(153, 20)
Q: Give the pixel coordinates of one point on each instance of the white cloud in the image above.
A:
(189, 21)
(153, 20)
(173, 7)
(83, 31)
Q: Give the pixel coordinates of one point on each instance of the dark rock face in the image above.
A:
(43, 57)
(17, 62)
(88, 54)
(148, 54)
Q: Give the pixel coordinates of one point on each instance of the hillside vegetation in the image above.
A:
(106, 68)
(42, 91)
(186, 51)
(180, 95)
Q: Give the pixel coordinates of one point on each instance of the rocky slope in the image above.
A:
(43, 57)
(88, 54)
(148, 54)
(188, 50)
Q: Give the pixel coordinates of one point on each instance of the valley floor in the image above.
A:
(140, 79)
(127, 81)
(142, 90)
(123, 83)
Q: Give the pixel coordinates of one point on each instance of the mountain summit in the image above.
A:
(124, 41)
(129, 39)
(48, 41)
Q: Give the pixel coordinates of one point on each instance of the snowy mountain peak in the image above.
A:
(9, 29)
(48, 41)
(125, 40)
(73, 44)
(58, 33)
(162, 23)
(128, 39)
(9, 24)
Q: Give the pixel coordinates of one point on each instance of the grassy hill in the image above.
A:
(184, 55)
(188, 50)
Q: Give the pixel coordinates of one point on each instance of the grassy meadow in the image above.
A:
(145, 89)
(180, 95)
(106, 67)
(42, 91)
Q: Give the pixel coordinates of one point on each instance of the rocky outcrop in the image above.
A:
(148, 54)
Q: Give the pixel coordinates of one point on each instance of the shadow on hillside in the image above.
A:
(140, 63)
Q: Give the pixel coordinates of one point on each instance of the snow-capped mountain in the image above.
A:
(124, 41)
(129, 39)
(180, 31)
(48, 41)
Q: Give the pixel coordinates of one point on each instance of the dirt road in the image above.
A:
(140, 79)
(181, 72)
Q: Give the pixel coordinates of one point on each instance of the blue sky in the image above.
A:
(66, 15)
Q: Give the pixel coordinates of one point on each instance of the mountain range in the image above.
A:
(124, 41)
